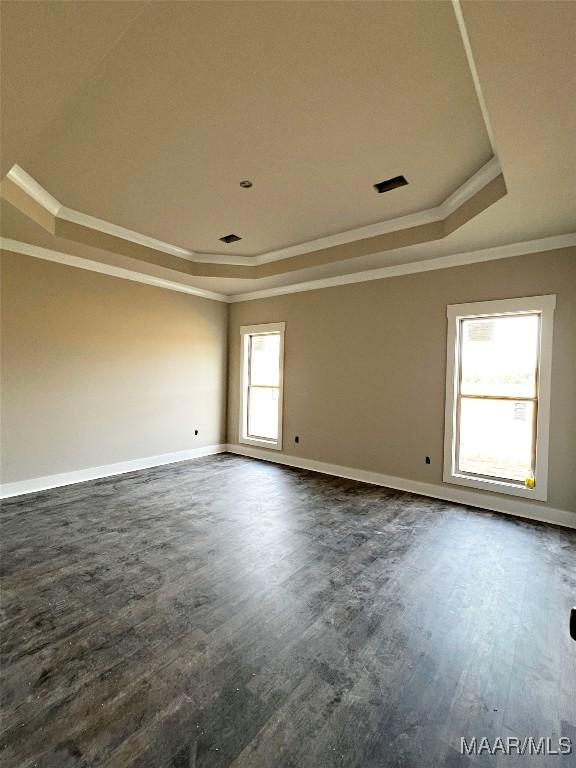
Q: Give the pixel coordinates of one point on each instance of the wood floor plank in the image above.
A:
(229, 612)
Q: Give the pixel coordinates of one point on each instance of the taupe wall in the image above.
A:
(365, 365)
(97, 370)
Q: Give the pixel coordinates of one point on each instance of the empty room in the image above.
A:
(288, 384)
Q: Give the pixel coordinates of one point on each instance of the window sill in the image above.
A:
(497, 486)
(274, 445)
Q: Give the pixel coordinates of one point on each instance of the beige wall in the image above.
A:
(97, 370)
(365, 365)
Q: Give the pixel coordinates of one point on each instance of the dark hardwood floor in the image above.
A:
(230, 612)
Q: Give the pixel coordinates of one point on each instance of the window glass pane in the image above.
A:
(263, 412)
(500, 355)
(265, 359)
(496, 438)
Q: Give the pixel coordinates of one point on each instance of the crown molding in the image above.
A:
(471, 186)
(427, 265)
(468, 189)
(91, 222)
(31, 187)
(490, 171)
(27, 249)
(35, 190)
(457, 7)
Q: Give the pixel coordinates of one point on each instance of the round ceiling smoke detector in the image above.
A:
(246, 184)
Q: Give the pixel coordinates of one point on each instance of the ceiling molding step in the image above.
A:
(441, 262)
(27, 249)
(91, 222)
(468, 189)
(427, 265)
(35, 190)
(457, 6)
(471, 186)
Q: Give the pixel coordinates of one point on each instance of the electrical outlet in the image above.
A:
(296, 439)
(427, 459)
(195, 431)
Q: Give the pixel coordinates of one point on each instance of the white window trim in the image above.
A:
(545, 306)
(245, 332)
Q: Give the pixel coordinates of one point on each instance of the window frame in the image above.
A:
(246, 332)
(544, 306)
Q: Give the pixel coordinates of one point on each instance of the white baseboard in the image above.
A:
(107, 470)
(508, 506)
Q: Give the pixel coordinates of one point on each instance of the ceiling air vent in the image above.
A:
(230, 238)
(386, 186)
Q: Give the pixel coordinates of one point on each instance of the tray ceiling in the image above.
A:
(126, 135)
(312, 102)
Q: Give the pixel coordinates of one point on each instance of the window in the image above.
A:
(262, 362)
(498, 395)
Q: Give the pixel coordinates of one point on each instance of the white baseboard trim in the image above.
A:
(509, 506)
(107, 470)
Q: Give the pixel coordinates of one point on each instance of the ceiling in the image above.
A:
(148, 115)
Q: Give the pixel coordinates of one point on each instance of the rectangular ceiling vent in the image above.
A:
(230, 238)
(386, 186)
